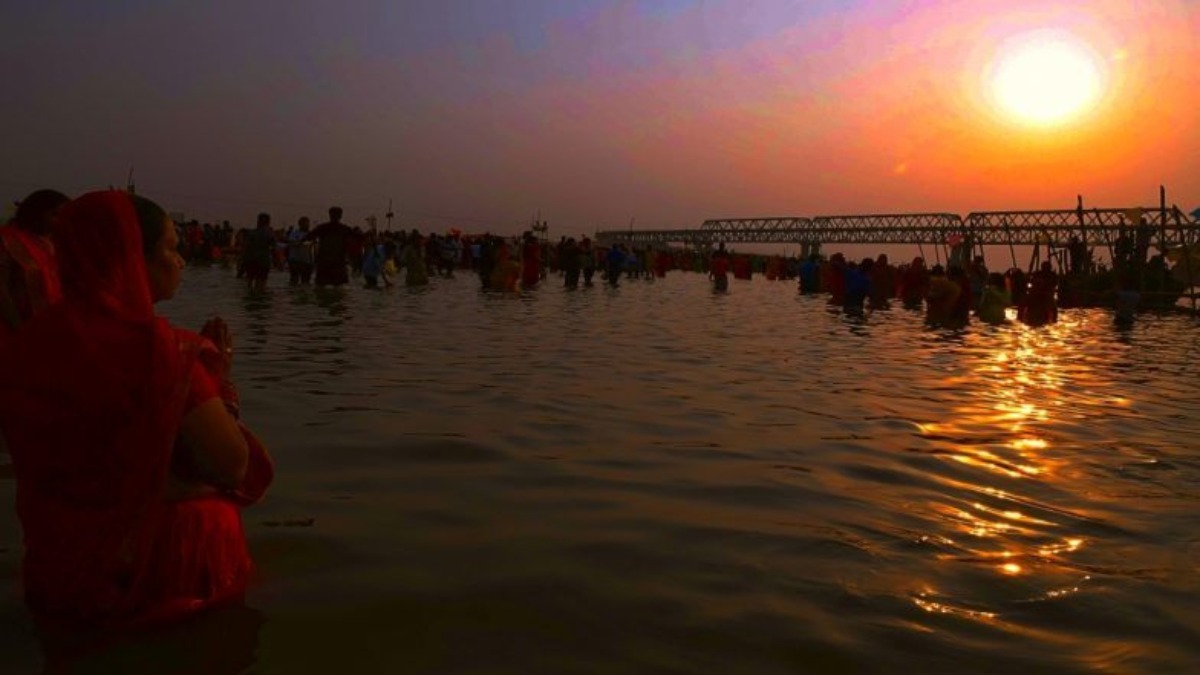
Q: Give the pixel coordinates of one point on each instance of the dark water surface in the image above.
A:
(657, 479)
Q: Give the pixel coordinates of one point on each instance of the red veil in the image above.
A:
(39, 284)
(90, 405)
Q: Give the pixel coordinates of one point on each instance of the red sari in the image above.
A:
(30, 276)
(531, 264)
(93, 394)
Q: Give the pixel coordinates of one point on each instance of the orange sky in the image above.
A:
(889, 111)
(472, 114)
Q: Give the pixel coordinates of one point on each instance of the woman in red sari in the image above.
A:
(531, 261)
(131, 465)
(28, 272)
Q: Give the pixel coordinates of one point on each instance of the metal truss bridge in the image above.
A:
(1094, 227)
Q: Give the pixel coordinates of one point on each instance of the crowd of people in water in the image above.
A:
(333, 253)
(134, 519)
(327, 252)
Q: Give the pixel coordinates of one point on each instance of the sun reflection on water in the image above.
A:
(1026, 385)
(1011, 568)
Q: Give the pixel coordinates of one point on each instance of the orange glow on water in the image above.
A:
(1012, 437)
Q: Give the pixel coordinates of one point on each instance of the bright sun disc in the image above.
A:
(1046, 78)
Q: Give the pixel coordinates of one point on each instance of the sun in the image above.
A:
(1046, 78)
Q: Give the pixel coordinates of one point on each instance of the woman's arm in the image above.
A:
(214, 445)
(9, 316)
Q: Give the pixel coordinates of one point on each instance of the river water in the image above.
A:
(660, 479)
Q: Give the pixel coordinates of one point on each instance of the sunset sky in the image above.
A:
(479, 113)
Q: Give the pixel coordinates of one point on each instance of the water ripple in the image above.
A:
(659, 479)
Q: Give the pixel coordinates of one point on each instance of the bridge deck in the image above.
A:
(1095, 227)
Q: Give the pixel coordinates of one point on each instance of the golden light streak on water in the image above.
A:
(934, 607)
(1068, 546)
(1025, 394)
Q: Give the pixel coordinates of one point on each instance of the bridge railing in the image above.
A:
(1094, 227)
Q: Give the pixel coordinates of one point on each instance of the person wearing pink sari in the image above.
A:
(131, 464)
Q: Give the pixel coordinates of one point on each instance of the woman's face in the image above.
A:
(164, 265)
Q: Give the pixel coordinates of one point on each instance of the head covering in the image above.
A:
(90, 405)
(33, 212)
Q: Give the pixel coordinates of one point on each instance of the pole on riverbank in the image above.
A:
(1087, 257)
(1162, 234)
(1185, 250)
(1012, 250)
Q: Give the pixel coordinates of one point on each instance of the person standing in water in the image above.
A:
(413, 255)
(568, 255)
(28, 269)
(914, 283)
(718, 268)
(300, 254)
(531, 261)
(587, 260)
(257, 247)
(614, 264)
(1040, 305)
(994, 301)
(941, 299)
(333, 243)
